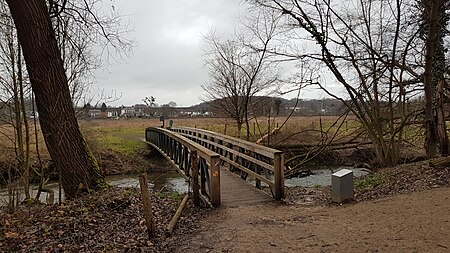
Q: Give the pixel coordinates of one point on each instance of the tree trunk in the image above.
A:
(26, 162)
(239, 128)
(247, 125)
(431, 138)
(65, 143)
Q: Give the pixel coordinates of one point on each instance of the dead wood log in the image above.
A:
(440, 162)
(177, 215)
(267, 135)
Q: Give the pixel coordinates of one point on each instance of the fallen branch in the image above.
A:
(267, 135)
(177, 215)
(440, 162)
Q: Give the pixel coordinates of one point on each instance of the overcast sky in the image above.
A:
(167, 61)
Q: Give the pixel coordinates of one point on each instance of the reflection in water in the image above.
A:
(172, 181)
(169, 182)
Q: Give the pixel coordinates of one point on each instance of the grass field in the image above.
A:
(115, 141)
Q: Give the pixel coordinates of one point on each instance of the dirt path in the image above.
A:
(418, 222)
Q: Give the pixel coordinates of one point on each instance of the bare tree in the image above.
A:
(172, 104)
(65, 143)
(13, 89)
(81, 27)
(238, 70)
(371, 49)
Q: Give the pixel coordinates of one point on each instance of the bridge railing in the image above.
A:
(181, 151)
(264, 164)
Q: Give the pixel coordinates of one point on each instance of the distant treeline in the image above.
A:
(275, 106)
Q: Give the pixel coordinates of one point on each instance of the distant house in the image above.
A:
(94, 113)
(113, 112)
(139, 110)
(127, 111)
(297, 108)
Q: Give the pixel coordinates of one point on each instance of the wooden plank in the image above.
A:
(237, 192)
(254, 174)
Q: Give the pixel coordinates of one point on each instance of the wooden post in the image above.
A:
(147, 205)
(215, 180)
(195, 185)
(258, 171)
(278, 164)
(203, 170)
(225, 131)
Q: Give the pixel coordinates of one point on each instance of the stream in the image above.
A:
(164, 182)
(174, 182)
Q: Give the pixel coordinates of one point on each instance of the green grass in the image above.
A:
(370, 181)
(122, 140)
(121, 145)
(172, 195)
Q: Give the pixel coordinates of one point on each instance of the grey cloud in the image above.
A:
(168, 61)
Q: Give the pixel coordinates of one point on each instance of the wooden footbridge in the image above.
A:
(222, 169)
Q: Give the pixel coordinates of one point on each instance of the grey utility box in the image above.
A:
(342, 185)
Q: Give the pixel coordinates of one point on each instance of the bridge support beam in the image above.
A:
(215, 180)
(278, 175)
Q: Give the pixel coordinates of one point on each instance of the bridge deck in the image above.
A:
(237, 192)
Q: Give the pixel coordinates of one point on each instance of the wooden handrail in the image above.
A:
(273, 162)
(269, 152)
(177, 148)
(201, 151)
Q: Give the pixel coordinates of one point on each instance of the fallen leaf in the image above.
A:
(9, 235)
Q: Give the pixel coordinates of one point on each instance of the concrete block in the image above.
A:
(342, 185)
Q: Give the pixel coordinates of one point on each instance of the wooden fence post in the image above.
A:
(195, 185)
(147, 205)
(278, 165)
(215, 180)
